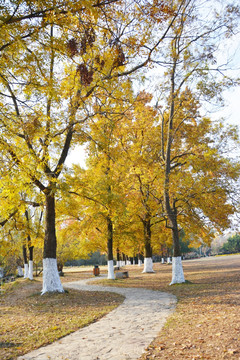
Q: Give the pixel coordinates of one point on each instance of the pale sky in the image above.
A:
(231, 111)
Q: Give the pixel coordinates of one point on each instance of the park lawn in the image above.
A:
(29, 320)
(206, 322)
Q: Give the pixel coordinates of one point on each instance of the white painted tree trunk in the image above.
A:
(163, 261)
(139, 262)
(169, 260)
(51, 279)
(118, 264)
(133, 262)
(25, 271)
(177, 271)
(111, 275)
(20, 271)
(148, 265)
(30, 270)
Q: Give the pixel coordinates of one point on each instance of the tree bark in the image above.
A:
(110, 238)
(118, 258)
(25, 262)
(51, 279)
(50, 242)
(31, 252)
(124, 259)
(176, 241)
(171, 211)
(60, 269)
(110, 248)
(25, 254)
(30, 267)
(148, 264)
(147, 238)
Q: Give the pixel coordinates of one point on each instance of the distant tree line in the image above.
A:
(232, 246)
(95, 259)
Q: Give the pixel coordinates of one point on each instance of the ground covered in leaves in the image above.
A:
(206, 323)
(29, 320)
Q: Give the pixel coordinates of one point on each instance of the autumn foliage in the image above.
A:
(75, 73)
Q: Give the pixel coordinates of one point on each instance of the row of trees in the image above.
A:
(232, 245)
(70, 74)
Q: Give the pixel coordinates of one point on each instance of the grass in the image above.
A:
(205, 325)
(29, 320)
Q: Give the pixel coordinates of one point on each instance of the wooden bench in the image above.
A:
(122, 275)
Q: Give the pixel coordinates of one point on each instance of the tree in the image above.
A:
(69, 247)
(16, 212)
(143, 180)
(192, 160)
(232, 245)
(60, 57)
(100, 185)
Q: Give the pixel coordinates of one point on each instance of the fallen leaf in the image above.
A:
(232, 351)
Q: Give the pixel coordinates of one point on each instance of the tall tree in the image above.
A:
(60, 57)
(100, 185)
(191, 63)
(139, 139)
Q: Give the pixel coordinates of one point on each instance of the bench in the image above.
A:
(122, 275)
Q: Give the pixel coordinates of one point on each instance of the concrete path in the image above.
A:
(123, 334)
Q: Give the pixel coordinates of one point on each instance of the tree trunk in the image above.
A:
(124, 259)
(50, 242)
(148, 264)
(118, 258)
(60, 269)
(177, 269)
(170, 210)
(176, 241)
(30, 269)
(30, 248)
(31, 252)
(139, 259)
(25, 262)
(20, 271)
(110, 248)
(51, 279)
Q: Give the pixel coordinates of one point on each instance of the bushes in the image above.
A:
(232, 245)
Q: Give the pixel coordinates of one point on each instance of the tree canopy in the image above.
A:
(70, 74)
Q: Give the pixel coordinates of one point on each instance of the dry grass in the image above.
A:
(29, 320)
(205, 325)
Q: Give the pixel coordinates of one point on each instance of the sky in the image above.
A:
(231, 113)
(77, 156)
(231, 110)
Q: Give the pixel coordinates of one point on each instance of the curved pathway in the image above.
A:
(123, 334)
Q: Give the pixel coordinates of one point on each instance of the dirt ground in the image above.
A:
(29, 320)
(206, 323)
